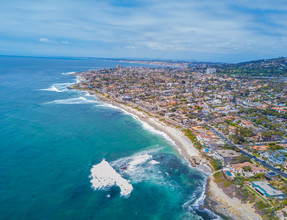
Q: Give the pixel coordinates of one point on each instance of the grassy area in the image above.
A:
(216, 164)
(219, 178)
(138, 109)
(192, 137)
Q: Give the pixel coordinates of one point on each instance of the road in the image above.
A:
(229, 142)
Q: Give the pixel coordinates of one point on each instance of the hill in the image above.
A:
(265, 67)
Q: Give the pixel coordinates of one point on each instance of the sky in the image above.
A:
(206, 30)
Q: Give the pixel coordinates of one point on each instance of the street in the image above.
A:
(229, 142)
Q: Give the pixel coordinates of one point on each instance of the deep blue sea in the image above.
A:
(64, 155)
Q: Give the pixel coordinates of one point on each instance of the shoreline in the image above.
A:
(215, 198)
(230, 207)
(184, 144)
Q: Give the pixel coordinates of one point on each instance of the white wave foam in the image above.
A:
(197, 198)
(88, 94)
(140, 167)
(104, 176)
(154, 162)
(107, 105)
(58, 87)
(72, 101)
(146, 126)
(68, 73)
(199, 201)
(52, 89)
(151, 129)
(137, 160)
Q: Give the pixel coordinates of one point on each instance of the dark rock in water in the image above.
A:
(124, 168)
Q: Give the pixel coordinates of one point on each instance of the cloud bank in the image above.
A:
(185, 29)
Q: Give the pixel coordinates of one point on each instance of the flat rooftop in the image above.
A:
(266, 187)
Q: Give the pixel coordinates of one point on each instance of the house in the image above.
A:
(197, 129)
(232, 129)
(127, 98)
(280, 110)
(247, 124)
(226, 155)
(271, 175)
(277, 157)
(247, 168)
(266, 189)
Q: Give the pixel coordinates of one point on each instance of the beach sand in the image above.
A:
(184, 144)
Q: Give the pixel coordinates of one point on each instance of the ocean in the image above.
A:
(65, 155)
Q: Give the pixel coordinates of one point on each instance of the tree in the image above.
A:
(246, 168)
(243, 158)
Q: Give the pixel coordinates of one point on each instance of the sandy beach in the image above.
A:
(184, 144)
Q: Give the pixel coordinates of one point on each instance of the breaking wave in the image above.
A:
(197, 200)
(141, 167)
(58, 87)
(120, 172)
(146, 126)
(103, 176)
(68, 73)
(72, 101)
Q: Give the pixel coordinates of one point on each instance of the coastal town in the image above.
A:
(237, 123)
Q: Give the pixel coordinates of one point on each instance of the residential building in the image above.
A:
(266, 189)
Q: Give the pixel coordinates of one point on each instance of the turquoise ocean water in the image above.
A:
(53, 140)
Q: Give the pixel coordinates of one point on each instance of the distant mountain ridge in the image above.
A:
(264, 67)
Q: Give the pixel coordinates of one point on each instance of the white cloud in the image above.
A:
(45, 40)
(152, 27)
(65, 42)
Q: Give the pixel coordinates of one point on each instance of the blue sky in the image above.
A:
(207, 30)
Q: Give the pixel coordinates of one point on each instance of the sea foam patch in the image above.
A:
(58, 87)
(68, 73)
(103, 176)
(146, 126)
(72, 101)
(137, 160)
(140, 167)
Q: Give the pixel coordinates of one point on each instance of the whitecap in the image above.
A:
(52, 89)
(146, 126)
(58, 87)
(197, 200)
(140, 167)
(103, 176)
(72, 101)
(154, 162)
(68, 73)
(88, 94)
(137, 160)
(107, 105)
